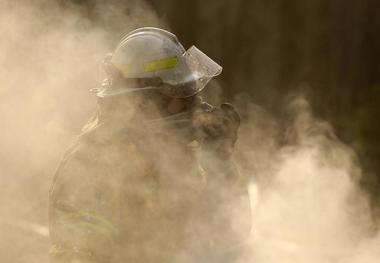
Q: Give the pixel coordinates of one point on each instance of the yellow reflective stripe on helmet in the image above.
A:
(124, 68)
(161, 64)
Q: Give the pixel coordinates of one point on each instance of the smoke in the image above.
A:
(307, 206)
(50, 52)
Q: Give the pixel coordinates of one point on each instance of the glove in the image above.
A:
(216, 129)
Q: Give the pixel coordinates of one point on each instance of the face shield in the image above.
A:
(197, 70)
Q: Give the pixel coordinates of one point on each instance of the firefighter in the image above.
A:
(151, 177)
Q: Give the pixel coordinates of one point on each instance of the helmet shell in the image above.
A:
(151, 52)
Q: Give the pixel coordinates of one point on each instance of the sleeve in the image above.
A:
(82, 213)
(224, 216)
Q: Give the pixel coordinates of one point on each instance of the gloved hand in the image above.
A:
(216, 129)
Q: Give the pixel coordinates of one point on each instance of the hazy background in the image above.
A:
(302, 74)
(269, 49)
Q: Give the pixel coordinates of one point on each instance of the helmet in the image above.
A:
(155, 54)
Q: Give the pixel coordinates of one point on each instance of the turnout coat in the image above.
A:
(139, 195)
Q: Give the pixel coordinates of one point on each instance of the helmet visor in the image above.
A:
(200, 64)
(201, 69)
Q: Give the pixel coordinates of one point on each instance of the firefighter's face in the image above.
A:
(170, 106)
(177, 105)
(158, 105)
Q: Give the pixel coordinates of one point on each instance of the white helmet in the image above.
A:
(153, 53)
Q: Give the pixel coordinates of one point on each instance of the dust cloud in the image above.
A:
(50, 53)
(307, 206)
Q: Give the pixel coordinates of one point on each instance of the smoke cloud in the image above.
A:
(50, 53)
(307, 205)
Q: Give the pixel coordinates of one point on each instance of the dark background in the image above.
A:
(328, 49)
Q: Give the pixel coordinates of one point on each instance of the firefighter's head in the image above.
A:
(151, 63)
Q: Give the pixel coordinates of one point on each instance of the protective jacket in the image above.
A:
(126, 195)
